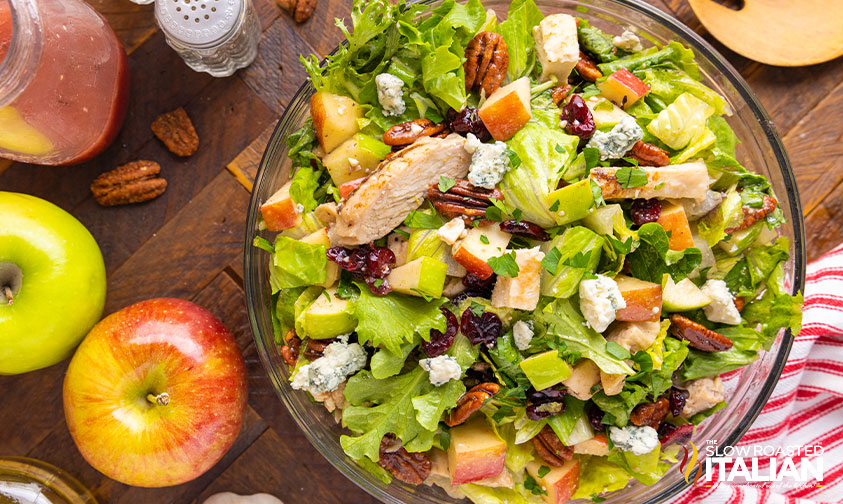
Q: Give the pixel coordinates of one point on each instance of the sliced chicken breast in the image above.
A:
(387, 197)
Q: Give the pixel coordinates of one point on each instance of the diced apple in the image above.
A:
(507, 110)
(329, 316)
(604, 112)
(424, 276)
(560, 483)
(557, 46)
(572, 202)
(598, 445)
(320, 237)
(688, 180)
(682, 296)
(349, 187)
(623, 88)
(426, 242)
(643, 300)
(502, 480)
(334, 118)
(612, 383)
(479, 245)
(673, 219)
(545, 369)
(357, 157)
(279, 211)
(475, 452)
(522, 291)
(584, 376)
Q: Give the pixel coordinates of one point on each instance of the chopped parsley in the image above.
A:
(617, 351)
(631, 176)
(505, 265)
(551, 260)
(446, 183)
(543, 470)
(514, 160)
(484, 239)
(580, 260)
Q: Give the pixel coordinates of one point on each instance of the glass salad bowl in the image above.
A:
(761, 150)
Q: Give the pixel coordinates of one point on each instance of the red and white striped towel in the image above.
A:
(806, 407)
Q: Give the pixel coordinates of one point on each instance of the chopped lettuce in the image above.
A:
(544, 154)
(618, 407)
(579, 251)
(303, 302)
(390, 321)
(598, 475)
(653, 257)
(386, 363)
(671, 354)
(647, 468)
(700, 364)
(572, 425)
(517, 32)
(668, 84)
(296, 264)
(480, 494)
(673, 54)
(682, 121)
(285, 310)
(304, 186)
(596, 42)
(774, 311)
(712, 227)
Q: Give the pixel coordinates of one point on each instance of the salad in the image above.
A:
(516, 255)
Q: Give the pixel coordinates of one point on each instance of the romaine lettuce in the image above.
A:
(296, 264)
(647, 468)
(579, 252)
(517, 32)
(673, 54)
(653, 257)
(700, 364)
(595, 42)
(712, 227)
(682, 121)
(668, 84)
(618, 407)
(598, 475)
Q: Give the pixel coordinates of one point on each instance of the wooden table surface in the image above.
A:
(188, 243)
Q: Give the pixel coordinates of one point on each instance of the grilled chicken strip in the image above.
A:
(400, 185)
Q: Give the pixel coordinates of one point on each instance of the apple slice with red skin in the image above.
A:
(279, 211)
(347, 188)
(598, 445)
(672, 218)
(623, 88)
(643, 300)
(507, 110)
(481, 244)
(560, 483)
(156, 393)
(475, 453)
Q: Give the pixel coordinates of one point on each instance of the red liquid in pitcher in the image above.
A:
(77, 98)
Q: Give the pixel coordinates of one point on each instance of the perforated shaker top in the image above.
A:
(198, 22)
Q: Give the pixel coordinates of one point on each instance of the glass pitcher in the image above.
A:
(64, 82)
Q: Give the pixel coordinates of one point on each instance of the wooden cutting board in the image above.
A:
(777, 32)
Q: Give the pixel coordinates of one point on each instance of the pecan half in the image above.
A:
(410, 131)
(651, 414)
(559, 93)
(753, 215)
(290, 351)
(408, 467)
(316, 348)
(550, 448)
(739, 302)
(470, 402)
(648, 154)
(299, 9)
(133, 182)
(176, 130)
(699, 336)
(486, 61)
(587, 68)
(463, 200)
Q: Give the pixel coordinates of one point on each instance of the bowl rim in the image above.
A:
(701, 47)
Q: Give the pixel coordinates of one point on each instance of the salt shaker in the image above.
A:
(214, 36)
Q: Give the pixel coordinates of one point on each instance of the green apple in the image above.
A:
(426, 242)
(682, 296)
(424, 276)
(356, 157)
(545, 369)
(572, 202)
(52, 283)
(329, 316)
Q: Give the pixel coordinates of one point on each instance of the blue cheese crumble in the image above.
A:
(638, 440)
(522, 334)
(390, 94)
(628, 41)
(489, 164)
(600, 299)
(616, 143)
(340, 360)
(722, 307)
(442, 369)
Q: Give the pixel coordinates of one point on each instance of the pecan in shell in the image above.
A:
(134, 182)
(470, 402)
(550, 448)
(699, 336)
(176, 130)
(651, 414)
(587, 68)
(301, 10)
(648, 154)
(463, 200)
(408, 467)
(753, 215)
(410, 131)
(486, 61)
(559, 93)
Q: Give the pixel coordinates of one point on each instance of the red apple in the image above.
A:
(507, 110)
(279, 211)
(347, 188)
(673, 219)
(479, 245)
(560, 483)
(475, 453)
(643, 300)
(156, 393)
(623, 88)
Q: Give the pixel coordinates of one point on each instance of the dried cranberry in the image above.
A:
(546, 395)
(474, 283)
(578, 118)
(379, 261)
(671, 434)
(544, 410)
(595, 417)
(643, 211)
(468, 121)
(677, 400)
(479, 372)
(525, 229)
(485, 328)
(378, 286)
(440, 342)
